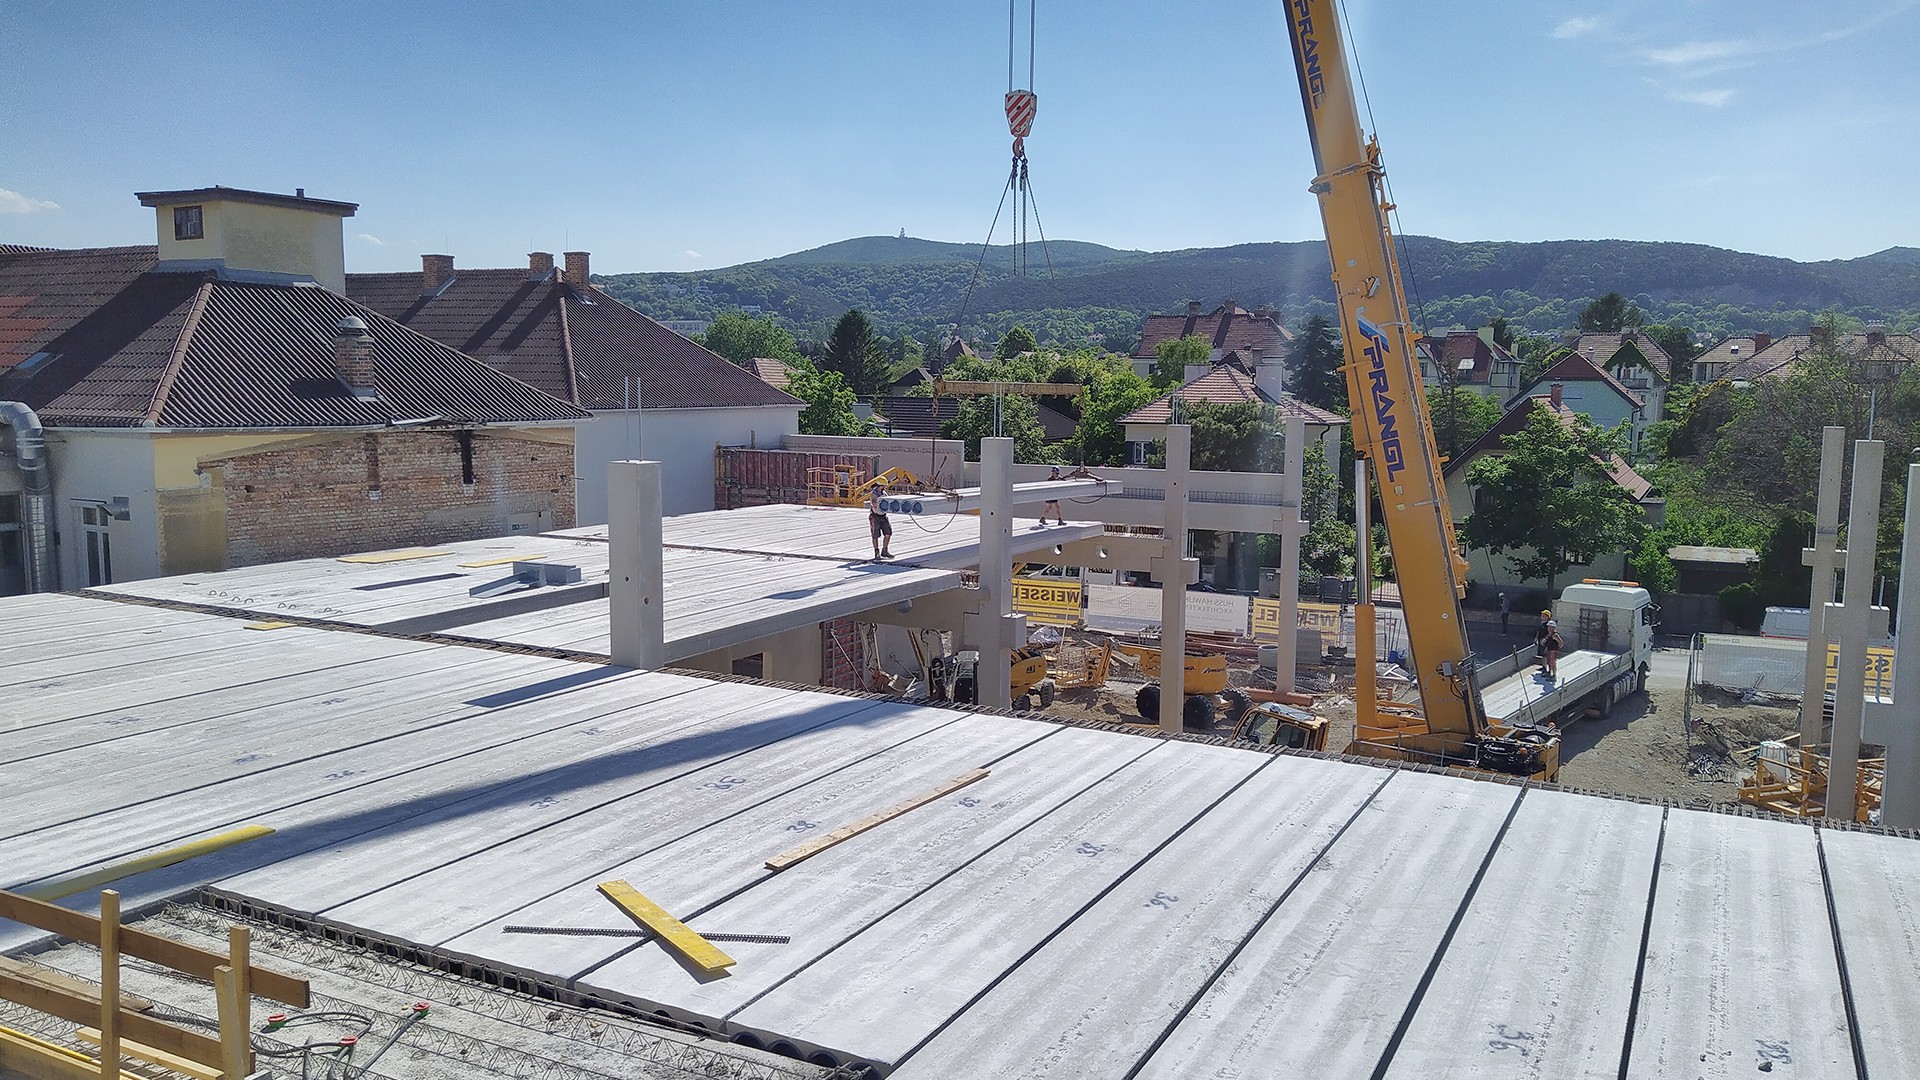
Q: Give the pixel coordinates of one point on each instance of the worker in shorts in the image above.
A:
(879, 527)
(1053, 505)
(1547, 644)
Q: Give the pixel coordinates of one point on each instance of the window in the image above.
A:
(97, 547)
(186, 223)
(13, 578)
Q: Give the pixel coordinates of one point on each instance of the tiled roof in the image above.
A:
(1466, 349)
(571, 340)
(1896, 350)
(132, 348)
(1725, 354)
(772, 372)
(1601, 349)
(1575, 368)
(917, 417)
(1226, 328)
(1057, 425)
(915, 376)
(1224, 385)
(1639, 487)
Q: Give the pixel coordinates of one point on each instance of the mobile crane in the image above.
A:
(1393, 439)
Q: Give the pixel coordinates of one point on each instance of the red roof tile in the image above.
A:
(1226, 328)
(1575, 368)
(1224, 385)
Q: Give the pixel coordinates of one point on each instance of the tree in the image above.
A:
(1678, 343)
(1017, 341)
(1100, 439)
(1313, 365)
(1174, 356)
(1547, 501)
(1239, 436)
(1503, 332)
(1013, 417)
(741, 338)
(857, 353)
(1460, 416)
(829, 401)
(1610, 314)
(1328, 548)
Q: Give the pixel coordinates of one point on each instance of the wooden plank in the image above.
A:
(60, 980)
(83, 1010)
(401, 555)
(79, 883)
(501, 561)
(270, 624)
(38, 1059)
(109, 983)
(155, 1055)
(135, 942)
(670, 931)
(236, 1056)
(847, 832)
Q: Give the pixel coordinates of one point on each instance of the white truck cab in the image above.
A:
(1609, 617)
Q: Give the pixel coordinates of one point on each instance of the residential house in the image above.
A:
(1729, 358)
(1486, 567)
(911, 416)
(1479, 363)
(1594, 394)
(1878, 356)
(774, 373)
(652, 393)
(213, 400)
(1637, 361)
(1228, 383)
(1258, 336)
(955, 351)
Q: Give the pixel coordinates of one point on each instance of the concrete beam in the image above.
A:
(1849, 697)
(1900, 797)
(1027, 494)
(1822, 558)
(636, 573)
(990, 628)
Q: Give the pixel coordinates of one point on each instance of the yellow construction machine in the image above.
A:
(1208, 692)
(1036, 673)
(848, 485)
(1393, 441)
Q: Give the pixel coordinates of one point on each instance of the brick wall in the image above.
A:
(341, 494)
(842, 656)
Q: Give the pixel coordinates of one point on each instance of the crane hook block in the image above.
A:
(1021, 106)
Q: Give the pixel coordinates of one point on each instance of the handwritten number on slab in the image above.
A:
(802, 826)
(1774, 1051)
(1162, 900)
(1510, 1038)
(1089, 849)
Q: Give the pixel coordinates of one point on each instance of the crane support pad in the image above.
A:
(677, 935)
(847, 832)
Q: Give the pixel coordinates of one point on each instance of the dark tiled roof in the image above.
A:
(1224, 385)
(1057, 425)
(573, 341)
(1226, 328)
(132, 348)
(1466, 353)
(917, 417)
(1576, 368)
(1516, 418)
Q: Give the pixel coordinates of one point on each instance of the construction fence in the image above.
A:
(1776, 666)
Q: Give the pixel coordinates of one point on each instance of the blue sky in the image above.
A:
(683, 136)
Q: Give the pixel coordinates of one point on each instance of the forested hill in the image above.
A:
(1073, 289)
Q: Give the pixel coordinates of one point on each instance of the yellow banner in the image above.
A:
(1879, 673)
(1047, 601)
(1266, 618)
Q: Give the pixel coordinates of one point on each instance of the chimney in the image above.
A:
(353, 356)
(1554, 392)
(1761, 341)
(1193, 307)
(539, 265)
(1263, 312)
(577, 267)
(1818, 334)
(1876, 335)
(436, 273)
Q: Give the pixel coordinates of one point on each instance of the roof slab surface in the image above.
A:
(1102, 904)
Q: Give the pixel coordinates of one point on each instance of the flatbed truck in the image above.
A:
(1608, 628)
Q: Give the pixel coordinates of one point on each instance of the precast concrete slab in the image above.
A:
(1351, 945)
(1875, 887)
(1519, 996)
(1187, 908)
(1740, 972)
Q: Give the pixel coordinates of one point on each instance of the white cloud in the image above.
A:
(372, 239)
(691, 254)
(1574, 28)
(1710, 98)
(12, 202)
(1697, 52)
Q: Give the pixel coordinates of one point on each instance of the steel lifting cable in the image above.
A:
(1020, 106)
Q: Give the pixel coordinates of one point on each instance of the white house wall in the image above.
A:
(681, 439)
(100, 466)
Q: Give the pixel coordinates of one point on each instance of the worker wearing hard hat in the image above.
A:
(1547, 644)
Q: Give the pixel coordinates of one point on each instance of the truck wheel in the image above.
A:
(1044, 690)
(1147, 701)
(1196, 713)
(1238, 702)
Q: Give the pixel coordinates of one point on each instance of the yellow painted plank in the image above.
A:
(501, 561)
(677, 935)
(270, 624)
(170, 1062)
(41, 1060)
(401, 555)
(79, 883)
(847, 832)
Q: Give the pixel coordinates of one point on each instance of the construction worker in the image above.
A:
(1547, 644)
(1506, 612)
(1053, 505)
(878, 527)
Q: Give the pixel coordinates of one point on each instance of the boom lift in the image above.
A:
(1393, 438)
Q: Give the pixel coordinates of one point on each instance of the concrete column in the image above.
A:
(1292, 526)
(1173, 580)
(1849, 694)
(1822, 557)
(996, 572)
(793, 656)
(1900, 801)
(635, 572)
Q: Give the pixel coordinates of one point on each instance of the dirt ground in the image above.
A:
(1641, 750)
